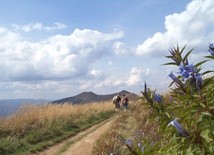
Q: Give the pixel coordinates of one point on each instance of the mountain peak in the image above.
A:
(88, 97)
(124, 92)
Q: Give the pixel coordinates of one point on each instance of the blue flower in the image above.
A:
(181, 68)
(158, 98)
(190, 68)
(187, 70)
(173, 77)
(179, 128)
(211, 49)
(185, 74)
(198, 81)
(128, 142)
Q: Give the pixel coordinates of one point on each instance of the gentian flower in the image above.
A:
(181, 68)
(198, 81)
(190, 68)
(211, 49)
(179, 128)
(128, 142)
(187, 70)
(158, 98)
(173, 77)
(185, 74)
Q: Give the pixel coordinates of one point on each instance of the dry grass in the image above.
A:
(35, 117)
(130, 124)
(33, 128)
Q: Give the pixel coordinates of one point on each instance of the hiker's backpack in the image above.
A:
(125, 100)
(114, 100)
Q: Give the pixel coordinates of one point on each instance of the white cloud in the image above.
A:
(97, 73)
(110, 82)
(56, 58)
(38, 26)
(121, 48)
(192, 27)
(135, 77)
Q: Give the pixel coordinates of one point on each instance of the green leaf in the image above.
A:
(202, 105)
(204, 73)
(170, 63)
(207, 81)
(183, 49)
(200, 63)
(169, 56)
(207, 113)
(205, 135)
(186, 56)
(210, 57)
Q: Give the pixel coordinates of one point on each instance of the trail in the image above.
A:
(82, 143)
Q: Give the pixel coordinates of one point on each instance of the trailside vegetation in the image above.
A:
(180, 122)
(34, 128)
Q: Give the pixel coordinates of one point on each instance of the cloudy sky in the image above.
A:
(59, 48)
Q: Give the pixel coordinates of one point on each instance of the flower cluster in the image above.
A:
(158, 98)
(186, 70)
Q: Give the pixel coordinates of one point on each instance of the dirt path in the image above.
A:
(82, 143)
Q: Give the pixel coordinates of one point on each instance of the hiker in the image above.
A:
(125, 102)
(116, 101)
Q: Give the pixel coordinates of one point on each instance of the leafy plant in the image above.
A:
(185, 121)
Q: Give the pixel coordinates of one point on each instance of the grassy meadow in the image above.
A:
(33, 128)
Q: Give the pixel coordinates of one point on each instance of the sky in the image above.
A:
(60, 48)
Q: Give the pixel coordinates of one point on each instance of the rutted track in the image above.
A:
(82, 143)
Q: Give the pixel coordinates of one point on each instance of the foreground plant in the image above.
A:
(185, 122)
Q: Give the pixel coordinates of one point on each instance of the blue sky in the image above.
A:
(59, 48)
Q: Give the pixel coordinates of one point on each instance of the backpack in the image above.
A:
(115, 98)
(125, 100)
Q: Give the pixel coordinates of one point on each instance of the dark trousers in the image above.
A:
(125, 105)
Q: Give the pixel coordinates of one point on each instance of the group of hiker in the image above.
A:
(121, 102)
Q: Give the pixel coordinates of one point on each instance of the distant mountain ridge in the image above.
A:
(88, 97)
(9, 106)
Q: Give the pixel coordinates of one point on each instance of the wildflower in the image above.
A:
(128, 142)
(187, 70)
(179, 128)
(190, 68)
(185, 74)
(173, 77)
(198, 81)
(158, 98)
(211, 49)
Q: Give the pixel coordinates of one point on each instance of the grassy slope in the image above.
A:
(35, 128)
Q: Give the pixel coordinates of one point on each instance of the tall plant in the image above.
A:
(185, 122)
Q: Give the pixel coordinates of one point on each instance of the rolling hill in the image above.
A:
(88, 97)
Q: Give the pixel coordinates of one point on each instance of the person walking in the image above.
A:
(125, 102)
(116, 101)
